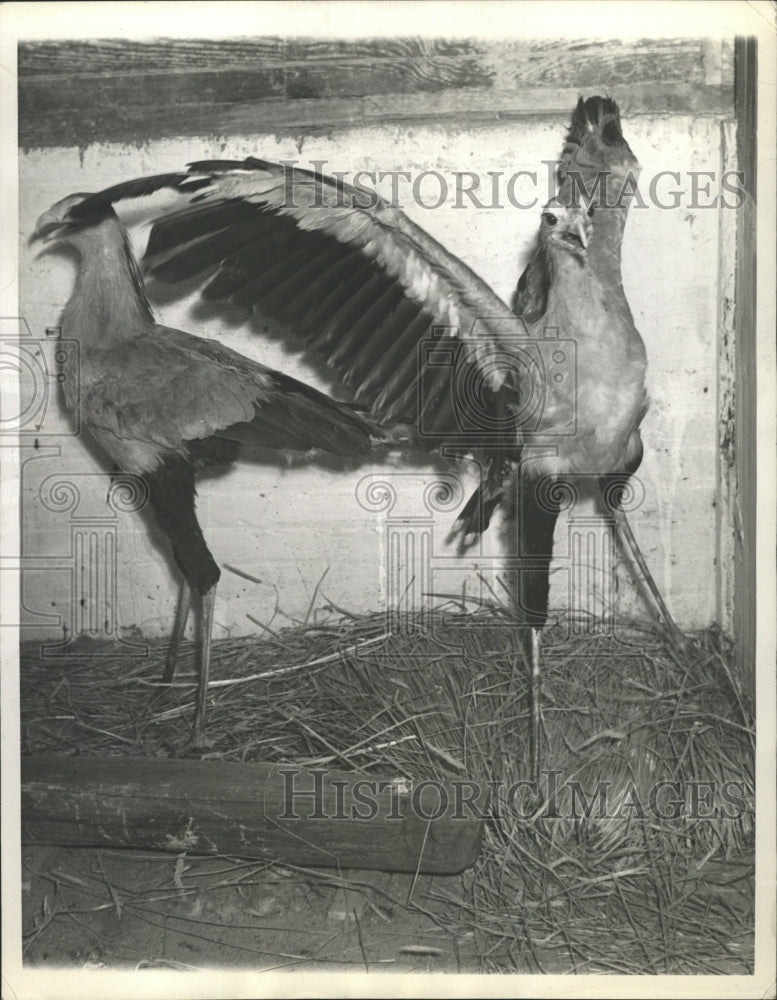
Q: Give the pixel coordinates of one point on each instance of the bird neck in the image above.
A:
(572, 276)
(604, 251)
(570, 281)
(108, 304)
(587, 302)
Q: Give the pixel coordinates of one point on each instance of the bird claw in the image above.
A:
(463, 539)
(198, 745)
(682, 645)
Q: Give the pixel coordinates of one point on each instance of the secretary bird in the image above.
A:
(354, 282)
(163, 404)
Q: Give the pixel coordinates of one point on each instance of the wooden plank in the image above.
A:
(464, 109)
(586, 62)
(138, 86)
(77, 93)
(727, 499)
(435, 62)
(106, 56)
(296, 70)
(746, 55)
(276, 812)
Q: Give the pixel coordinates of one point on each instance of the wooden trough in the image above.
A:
(277, 812)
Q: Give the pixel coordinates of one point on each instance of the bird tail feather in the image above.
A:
(597, 115)
(475, 516)
(595, 141)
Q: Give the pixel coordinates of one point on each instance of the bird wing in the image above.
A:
(346, 274)
(154, 395)
(289, 413)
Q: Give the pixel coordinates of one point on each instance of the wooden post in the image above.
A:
(279, 812)
(745, 97)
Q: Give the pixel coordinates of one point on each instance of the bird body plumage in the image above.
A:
(151, 397)
(609, 398)
(163, 404)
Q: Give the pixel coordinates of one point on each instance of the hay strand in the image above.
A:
(635, 855)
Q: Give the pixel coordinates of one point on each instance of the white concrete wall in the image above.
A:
(287, 527)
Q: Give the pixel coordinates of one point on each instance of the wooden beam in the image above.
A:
(745, 93)
(278, 812)
(727, 492)
(78, 93)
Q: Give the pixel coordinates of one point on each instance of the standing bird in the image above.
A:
(163, 404)
(352, 281)
(598, 172)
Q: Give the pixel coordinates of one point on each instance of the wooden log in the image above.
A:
(278, 812)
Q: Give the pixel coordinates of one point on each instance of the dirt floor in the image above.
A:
(94, 909)
(106, 909)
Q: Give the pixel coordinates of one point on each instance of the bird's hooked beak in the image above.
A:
(580, 232)
(575, 235)
(47, 232)
(49, 228)
(56, 221)
(574, 230)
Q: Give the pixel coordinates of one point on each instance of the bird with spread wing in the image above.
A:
(163, 404)
(420, 339)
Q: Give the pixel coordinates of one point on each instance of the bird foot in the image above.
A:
(682, 645)
(198, 745)
(200, 740)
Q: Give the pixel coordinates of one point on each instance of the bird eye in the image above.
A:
(550, 218)
(590, 212)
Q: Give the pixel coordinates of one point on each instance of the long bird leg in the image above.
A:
(179, 627)
(536, 701)
(171, 491)
(536, 511)
(678, 639)
(206, 630)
